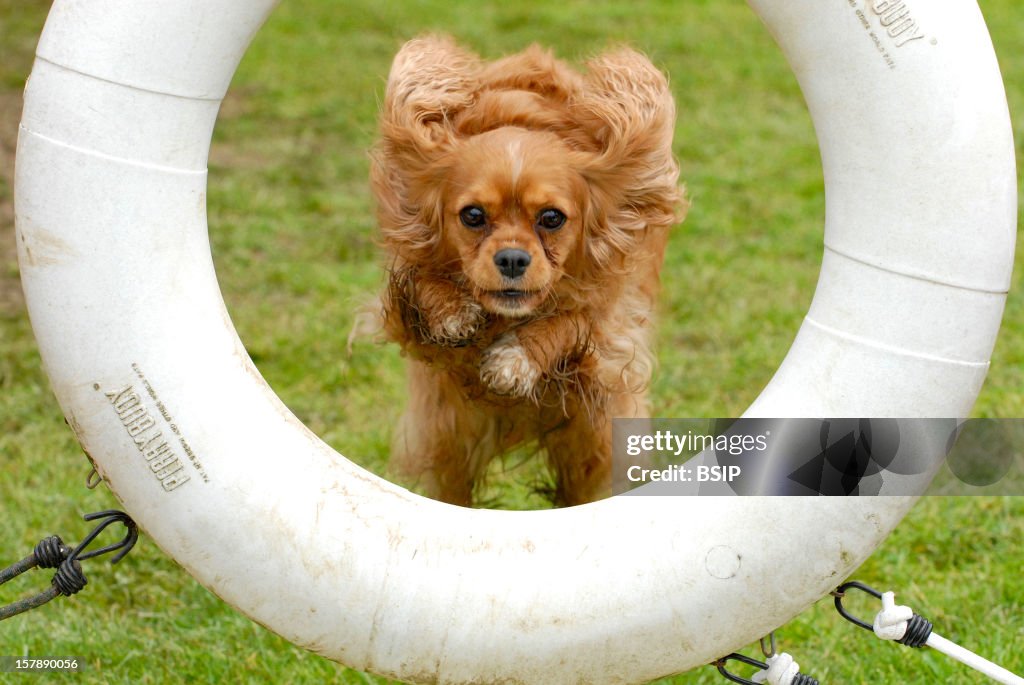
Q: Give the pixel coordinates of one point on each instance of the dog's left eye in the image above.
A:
(551, 219)
(473, 217)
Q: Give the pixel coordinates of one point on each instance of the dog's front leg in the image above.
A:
(451, 316)
(435, 309)
(518, 360)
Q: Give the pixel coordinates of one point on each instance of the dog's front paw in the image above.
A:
(507, 369)
(455, 323)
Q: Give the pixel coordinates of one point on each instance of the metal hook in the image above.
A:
(93, 479)
(772, 651)
(750, 661)
(798, 679)
(108, 517)
(840, 592)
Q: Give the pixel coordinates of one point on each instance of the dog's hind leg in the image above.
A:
(579, 455)
(579, 450)
(443, 442)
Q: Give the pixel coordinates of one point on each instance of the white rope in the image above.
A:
(891, 624)
(781, 670)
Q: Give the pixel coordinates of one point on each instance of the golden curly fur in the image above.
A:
(524, 207)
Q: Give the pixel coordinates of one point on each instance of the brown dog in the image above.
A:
(525, 209)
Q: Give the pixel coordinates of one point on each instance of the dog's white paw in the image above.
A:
(507, 369)
(458, 324)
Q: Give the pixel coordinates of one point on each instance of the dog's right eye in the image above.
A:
(473, 217)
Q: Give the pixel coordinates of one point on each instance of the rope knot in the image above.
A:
(891, 622)
(782, 670)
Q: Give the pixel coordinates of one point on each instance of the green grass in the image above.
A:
(292, 231)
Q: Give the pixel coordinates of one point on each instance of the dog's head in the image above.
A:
(522, 180)
(513, 209)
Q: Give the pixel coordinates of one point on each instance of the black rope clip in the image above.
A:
(799, 679)
(51, 552)
(106, 518)
(918, 627)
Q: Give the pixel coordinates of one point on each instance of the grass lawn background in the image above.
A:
(292, 232)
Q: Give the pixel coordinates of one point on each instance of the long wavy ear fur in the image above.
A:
(431, 81)
(626, 105)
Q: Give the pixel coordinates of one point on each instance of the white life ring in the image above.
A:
(111, 180)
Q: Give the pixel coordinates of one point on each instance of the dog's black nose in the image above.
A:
(512, 262)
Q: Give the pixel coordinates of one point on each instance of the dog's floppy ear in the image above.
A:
(627, 107)
(431, 81)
